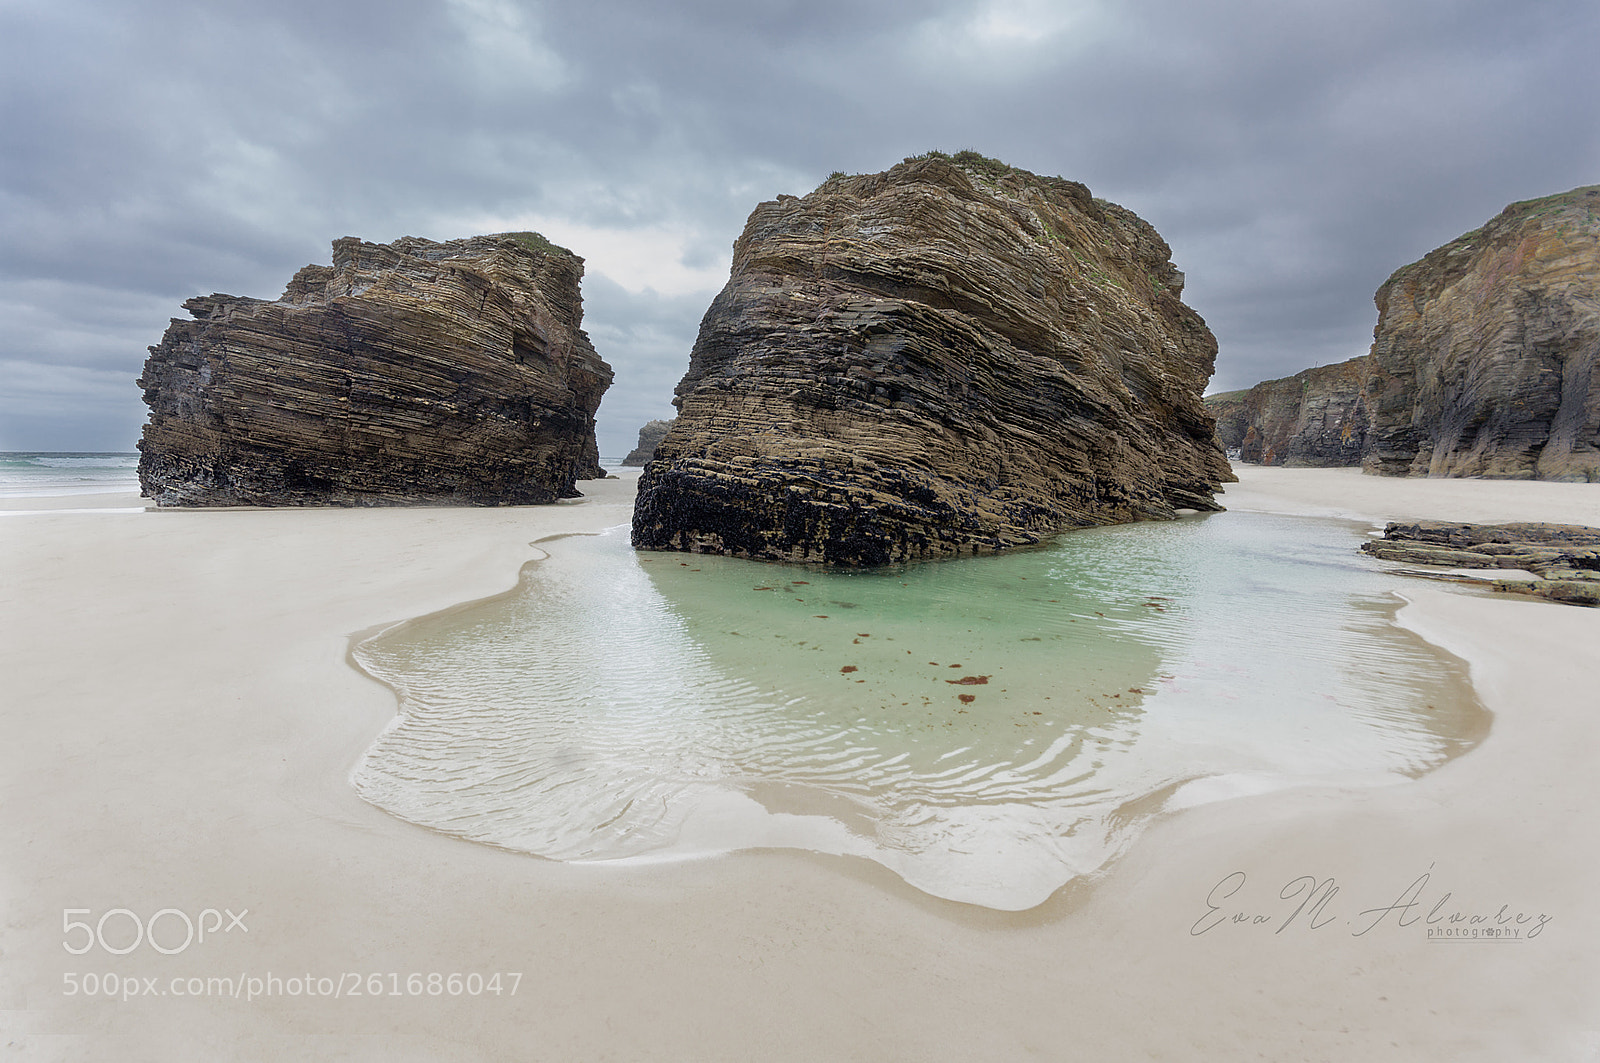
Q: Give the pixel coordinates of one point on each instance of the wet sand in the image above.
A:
(181, 721)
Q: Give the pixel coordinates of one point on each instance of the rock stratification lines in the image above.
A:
(1486, 358)
(412, 372)
(951, 357)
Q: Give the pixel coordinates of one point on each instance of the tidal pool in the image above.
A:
(988, 728)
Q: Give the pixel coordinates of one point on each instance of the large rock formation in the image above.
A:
(650, 437)
(404, 373)
(1486, 358)
(1314, 418)
(948, 358)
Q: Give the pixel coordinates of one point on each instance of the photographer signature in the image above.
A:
(1308, 902)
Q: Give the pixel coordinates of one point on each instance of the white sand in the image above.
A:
(179, 721)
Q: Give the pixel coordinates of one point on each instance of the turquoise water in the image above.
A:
(25, 474)
(988, 728)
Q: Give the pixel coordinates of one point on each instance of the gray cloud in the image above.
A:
(1292, 153)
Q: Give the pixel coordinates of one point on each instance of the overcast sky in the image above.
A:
(1292, 153)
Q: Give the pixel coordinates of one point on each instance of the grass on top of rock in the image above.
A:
(977, 165)
(536, 242)
(972, 161)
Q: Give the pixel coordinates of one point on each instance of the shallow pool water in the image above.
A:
(987, 728)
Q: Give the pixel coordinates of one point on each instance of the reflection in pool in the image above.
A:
(988, 728)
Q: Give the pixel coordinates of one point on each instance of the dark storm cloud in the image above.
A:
(1293, 154)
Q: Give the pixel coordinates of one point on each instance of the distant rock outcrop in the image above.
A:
(1232, 415)
(650, 437)
(1485, 362)
(1315, 418)
(951, 357)
(1486, 358)
(404, 373)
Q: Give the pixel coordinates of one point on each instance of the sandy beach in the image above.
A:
(181, 720)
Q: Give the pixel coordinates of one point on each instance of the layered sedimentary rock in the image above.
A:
(1232, 416)
(404, 373)
(951, 357)
(1315, 418)
(1564, 558)
(650, 437)
(1486, 357)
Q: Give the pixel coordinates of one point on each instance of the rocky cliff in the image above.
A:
(951, 357)
(404, 373)
(1486, 357)
(650, 437)
(1232, 416)
(1315, 418)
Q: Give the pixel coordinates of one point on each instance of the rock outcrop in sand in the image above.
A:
(650, 437)
(1564, 558)
(409, 372)
(951, 357)
(1315, 418)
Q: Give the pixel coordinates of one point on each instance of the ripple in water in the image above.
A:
(988, 728)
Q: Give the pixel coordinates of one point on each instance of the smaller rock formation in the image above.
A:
(1232, 414)
(1486, 357)
(952, 357)
(650, 437)
(409, 372)
(1315, 418)
(1564, 557)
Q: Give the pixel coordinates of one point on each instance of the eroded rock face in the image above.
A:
(1232, 416)
(1316, 418)
(951, 357)
(1486, 358)
(650, 437)
(412, 372)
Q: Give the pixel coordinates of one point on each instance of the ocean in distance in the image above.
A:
(989, 728)
(38, 474)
